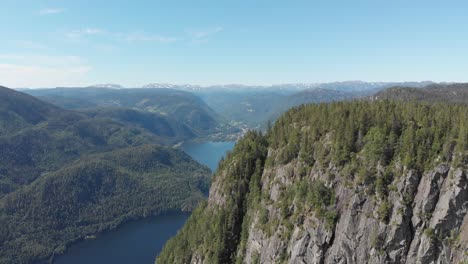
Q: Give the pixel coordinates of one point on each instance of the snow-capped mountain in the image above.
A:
(349, 86)
(171, 86)
(107, 85)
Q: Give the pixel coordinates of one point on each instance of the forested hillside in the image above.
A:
(349, 182)
(453, 93)
(164, 126)
(255, 107)
(65, 175)
(182, 106)
(18, 111)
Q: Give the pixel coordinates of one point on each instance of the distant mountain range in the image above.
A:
(256, 107)
(106, 85)
(176, 106)
(242, 106)
(344, 86)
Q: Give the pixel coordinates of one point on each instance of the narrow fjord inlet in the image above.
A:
(208, 153)
(142, 240)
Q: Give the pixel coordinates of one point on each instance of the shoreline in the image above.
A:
(110, 228)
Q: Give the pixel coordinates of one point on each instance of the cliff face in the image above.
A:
(430, 227)
(343, 183)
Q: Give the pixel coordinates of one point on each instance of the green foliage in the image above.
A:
(65, 175)
(97, 193)
(384, 211)
(254, 107)
(365, 143)
(177, 106)
(429, 233)
(436, 93)
(215, 232)
(263, 216)
(256, 258)
(369, 133)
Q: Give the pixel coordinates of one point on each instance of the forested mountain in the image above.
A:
(65, 175)
(361, 86)
(18, 111)
(240, 105)
(182, 106)
(453, 93)
(164, 126)
(255, 107)
(344, 86)
(347, 182)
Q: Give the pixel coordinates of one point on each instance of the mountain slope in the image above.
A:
(65, 175)
(255, 107)
(354, 182)
(182, 106)
(96, 193)
(18, 111)
(163, 126)
(453, 93)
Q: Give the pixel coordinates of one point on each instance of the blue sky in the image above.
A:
(77, 43)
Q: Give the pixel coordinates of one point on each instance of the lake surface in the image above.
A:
(208, 153)
(135, 242)
(141, 241)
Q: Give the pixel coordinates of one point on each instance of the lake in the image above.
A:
(141, 241)
(208, 153)
(135, 242)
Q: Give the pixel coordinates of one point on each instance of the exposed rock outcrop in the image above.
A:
(346, 183)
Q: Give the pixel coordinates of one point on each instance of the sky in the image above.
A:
(133, 43)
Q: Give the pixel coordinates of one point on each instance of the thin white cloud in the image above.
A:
(79, 33)
(30, 70)
(51, 11)
(201, 35)
(137, 36)
(141, 36)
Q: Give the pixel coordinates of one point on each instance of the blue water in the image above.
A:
(141, 241)
(208, 153)
(135, 242)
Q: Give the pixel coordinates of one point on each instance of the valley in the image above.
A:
(141, 241)
(110, 163)
(233, 132)
(66, 175)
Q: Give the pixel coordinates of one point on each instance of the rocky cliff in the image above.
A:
(357, 182)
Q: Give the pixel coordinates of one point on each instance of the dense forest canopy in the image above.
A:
(65, 175)
(179, 106)
(448, 93)
(361, 146)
